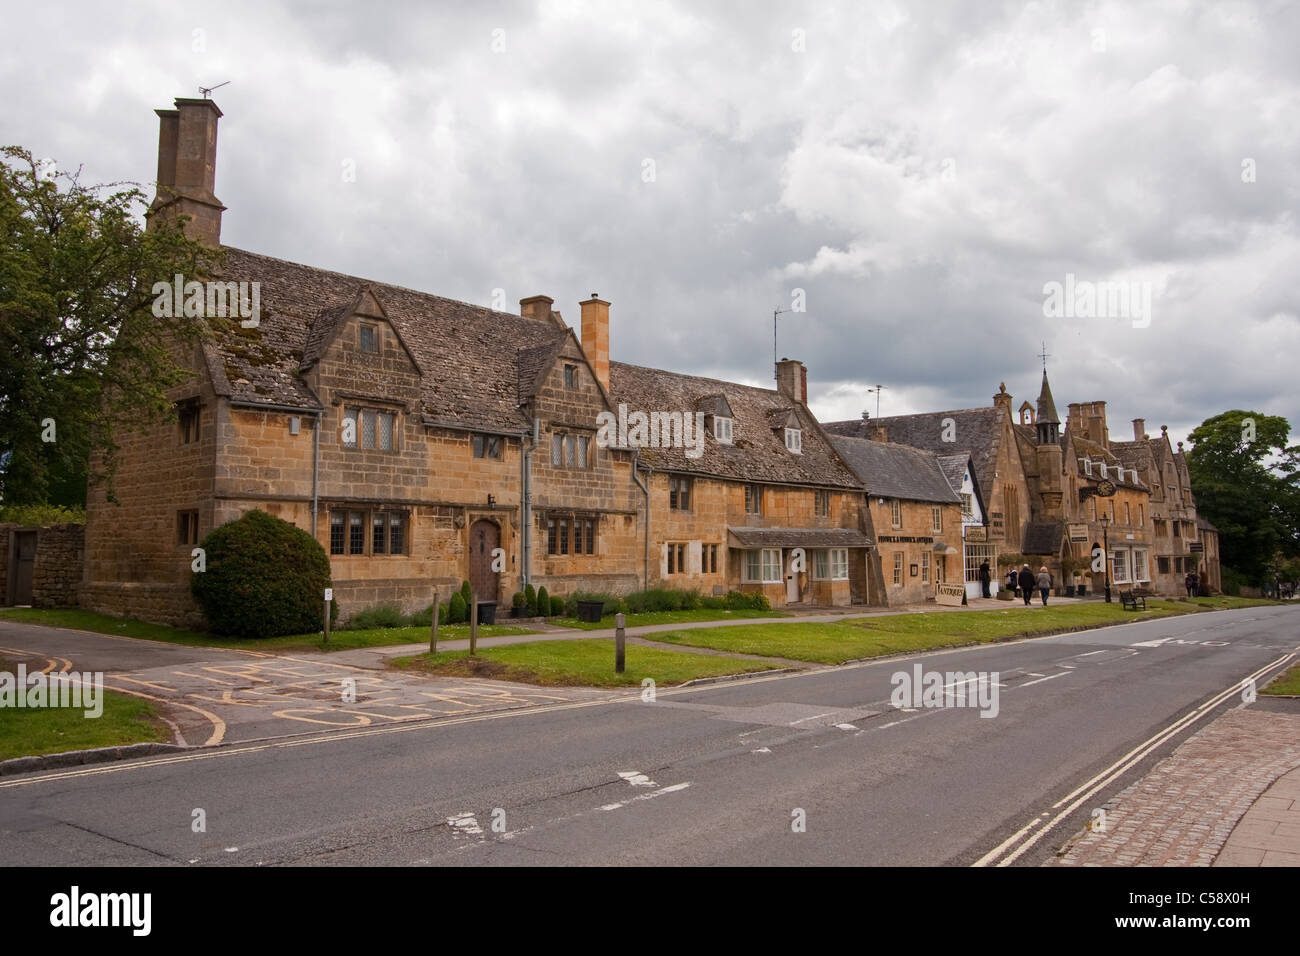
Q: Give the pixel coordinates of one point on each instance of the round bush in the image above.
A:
(557, 606)
(265, 577)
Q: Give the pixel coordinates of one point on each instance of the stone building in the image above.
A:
(917, 516)
(424, 441)
(766, 504)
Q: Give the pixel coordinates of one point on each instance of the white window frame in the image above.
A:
(766, 561)
(895, 513)
(794, 441)
(936, 519)
(839, 564)
(925, 567)
(898, 569)
(821, 565)
(722, 429)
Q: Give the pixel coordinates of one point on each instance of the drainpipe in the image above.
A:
(315, 473)
(526, 445)
(645, 489)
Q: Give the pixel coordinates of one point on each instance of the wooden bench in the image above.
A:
(1132, 601)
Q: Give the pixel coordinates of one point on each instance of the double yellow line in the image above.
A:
(1014, 846)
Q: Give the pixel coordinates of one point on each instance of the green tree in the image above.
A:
(81, 353)
(1245, 478)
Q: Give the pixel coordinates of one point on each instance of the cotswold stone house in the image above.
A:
(424, 441)
(767, 505)
(917, 517)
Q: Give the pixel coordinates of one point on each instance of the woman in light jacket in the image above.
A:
(1044, 583)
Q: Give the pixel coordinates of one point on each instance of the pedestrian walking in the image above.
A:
(1026, 580)
(1044, 583)
(985, 578)
(1189, 583)
(1012, 578)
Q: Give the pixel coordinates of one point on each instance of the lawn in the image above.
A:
(339, 640)
(855, 638)
(1288, 682)
(1225, 602)
(585, 663)
(49, 730)
(666, 617)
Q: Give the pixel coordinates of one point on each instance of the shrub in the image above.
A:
(264, 578)
(543, 602)
(458, 610)
(530, 600)
(663, 599)
(557, 606)
(740, 601)
(422, 618)
(466, 594)
(385, 615)
(42, 515)
(518, 600)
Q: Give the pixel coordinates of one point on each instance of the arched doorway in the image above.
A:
(484, 539)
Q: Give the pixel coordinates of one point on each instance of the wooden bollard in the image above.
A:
(433, 625)
(619, 640)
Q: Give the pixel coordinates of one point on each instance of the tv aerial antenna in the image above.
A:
(207, 90)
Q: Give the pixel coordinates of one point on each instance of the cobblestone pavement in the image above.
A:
(1211, 802)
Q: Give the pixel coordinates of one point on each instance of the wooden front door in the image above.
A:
(24, 565)
(484, 539)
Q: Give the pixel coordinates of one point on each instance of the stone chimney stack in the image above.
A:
(187, 165)
(595, 336)
(1139, 429)
(536, 307)
(792, 380)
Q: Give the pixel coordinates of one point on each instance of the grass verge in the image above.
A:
(665, 617)
(856, 638)
(339, 640)
(578, 663)
(1288, 682)
(28, 732)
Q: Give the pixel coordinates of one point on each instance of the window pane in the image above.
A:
(569, 442)
(386, 421)
(397, 534)
(577, 537)
(368, 428)
(557, 449)
(494, 446)
(821, 564)
(336, 533)
(357, 533)
(550, 536)
(582, 453)
(752, 571)
(478, 446)
(591, 537)
(350, 427)
(379, 525)
(564, 537)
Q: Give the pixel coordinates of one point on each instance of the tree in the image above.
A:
(1247, 483)
(81, 353)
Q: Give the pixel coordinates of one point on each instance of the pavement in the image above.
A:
(813, 767)
(1228, 796)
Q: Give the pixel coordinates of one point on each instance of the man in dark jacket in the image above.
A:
(985, 579)
(1026, 584)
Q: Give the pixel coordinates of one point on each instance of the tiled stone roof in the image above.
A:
(1043, 537)
(473, 372)
(757, 452)
(797, 538)
(977, 431)
(896, 471)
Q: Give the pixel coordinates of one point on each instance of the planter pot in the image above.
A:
(1069, 590)
(487, 612)
(1081, 590)
(1004, 595)
(518, 612)
(590, 611)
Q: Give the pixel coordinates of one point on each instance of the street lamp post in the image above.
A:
(1105, 547)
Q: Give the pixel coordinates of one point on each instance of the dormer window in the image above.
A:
(1087, 466)
(794, 440)
(369, 337)
(722, 430)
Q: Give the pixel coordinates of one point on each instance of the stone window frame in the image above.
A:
(341, 544)
(357, 414)
(680, 488)
(753, 499)
(821, 504)
(578, 529)
(571, 375)
(677, 550)
(709, 559)
(573, 449)
(187, 527)
(189, 413)
(481, 445)
(373, 329)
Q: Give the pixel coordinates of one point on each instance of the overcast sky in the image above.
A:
(919, 170)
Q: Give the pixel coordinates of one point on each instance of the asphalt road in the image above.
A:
(720, 774)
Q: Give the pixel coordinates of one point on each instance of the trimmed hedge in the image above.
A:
(543, 602)
(265, 578)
